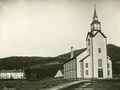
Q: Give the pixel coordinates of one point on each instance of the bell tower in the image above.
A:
(96, 46)
(95, 25)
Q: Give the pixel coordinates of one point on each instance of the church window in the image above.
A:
(66, 66)
(72, 64)
(99, 50)
(98, 27)
(100, 63)
(95, 26)
(108, 72)
(86, 72)
(88, 41)
(86, 65)
(108, 65)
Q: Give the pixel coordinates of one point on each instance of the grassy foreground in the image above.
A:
(32, 85)
(51, 82)
(96, 85)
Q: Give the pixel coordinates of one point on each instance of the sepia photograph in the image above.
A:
(59, 44)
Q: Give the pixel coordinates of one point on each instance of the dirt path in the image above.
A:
(66, 85)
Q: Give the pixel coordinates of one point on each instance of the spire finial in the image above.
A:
(94, 6)
(95, 14)
(94, 3)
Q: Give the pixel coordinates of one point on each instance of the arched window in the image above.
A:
(100, 63)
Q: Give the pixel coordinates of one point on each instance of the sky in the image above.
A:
(51, 27)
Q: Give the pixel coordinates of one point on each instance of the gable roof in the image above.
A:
(93, 35)
(75, 56)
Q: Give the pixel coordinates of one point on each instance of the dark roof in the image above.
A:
(69, 60)
(93, 35)
(75, 56)
(100, 33)
(11, 71)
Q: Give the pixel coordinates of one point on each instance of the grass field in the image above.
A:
(31, 85)
(105, 85)
(51, 82)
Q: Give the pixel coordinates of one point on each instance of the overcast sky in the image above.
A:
(51, 27)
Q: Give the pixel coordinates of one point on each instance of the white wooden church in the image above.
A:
(93, 62)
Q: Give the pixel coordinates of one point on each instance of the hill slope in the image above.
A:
(114, 53)
(35, 67)
(41, 67)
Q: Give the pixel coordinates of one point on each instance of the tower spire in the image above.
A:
(95, 25)
(95, 17)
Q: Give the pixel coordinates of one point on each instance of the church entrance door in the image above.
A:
(100, 73)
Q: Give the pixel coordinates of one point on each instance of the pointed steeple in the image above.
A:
(95, 17)
(95, 13)
(95, 25)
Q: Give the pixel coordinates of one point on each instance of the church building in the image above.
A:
(93, 62)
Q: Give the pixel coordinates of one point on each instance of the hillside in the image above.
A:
(76, 53)
(114, 54)
(35, 67)
(28, 62)
(42, 67)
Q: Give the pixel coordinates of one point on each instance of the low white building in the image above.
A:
(12, 74)
(93, 62)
